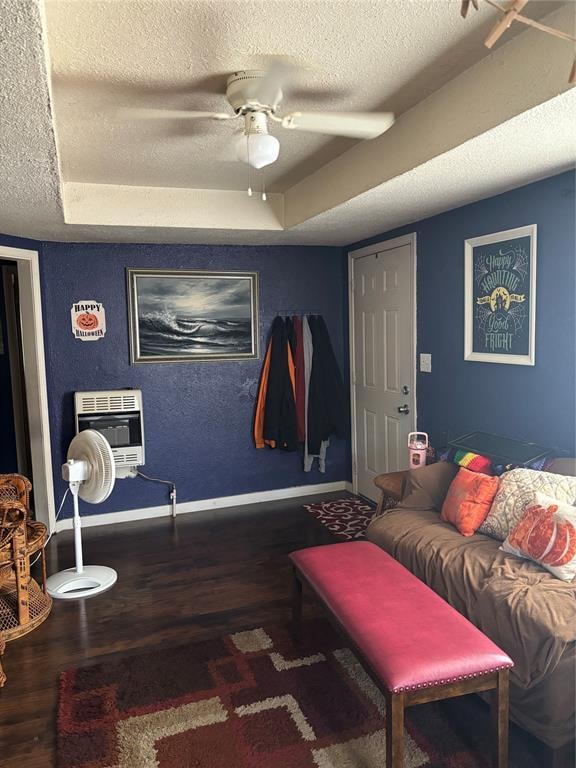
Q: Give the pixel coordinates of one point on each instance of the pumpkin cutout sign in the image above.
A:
(88, 320)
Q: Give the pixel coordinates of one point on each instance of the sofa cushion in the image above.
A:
(521, 607)
(427, 486)
(468, 500)
(516, 487)
(547, 535)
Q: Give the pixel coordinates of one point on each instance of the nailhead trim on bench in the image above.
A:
(449, 679)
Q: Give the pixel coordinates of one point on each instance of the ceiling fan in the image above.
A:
(255, 96)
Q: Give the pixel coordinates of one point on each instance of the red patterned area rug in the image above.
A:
(346, 518)
(245, 700)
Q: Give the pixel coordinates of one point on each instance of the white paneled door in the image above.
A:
(383, 359)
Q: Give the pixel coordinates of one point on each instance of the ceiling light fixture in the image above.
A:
(257, 147)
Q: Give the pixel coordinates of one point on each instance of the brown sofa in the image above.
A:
(523, 608)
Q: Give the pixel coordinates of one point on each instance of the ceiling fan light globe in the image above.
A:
(258, 149)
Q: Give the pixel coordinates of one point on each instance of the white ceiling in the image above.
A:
(78, 168)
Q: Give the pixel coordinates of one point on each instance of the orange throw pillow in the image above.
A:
(468, 500)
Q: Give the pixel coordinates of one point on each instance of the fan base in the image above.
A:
(69, 584)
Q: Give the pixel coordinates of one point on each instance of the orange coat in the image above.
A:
(261, 400)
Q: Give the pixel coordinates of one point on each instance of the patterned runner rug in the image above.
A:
(346, 518)
(245, 700)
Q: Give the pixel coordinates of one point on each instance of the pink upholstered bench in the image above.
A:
(414, 645)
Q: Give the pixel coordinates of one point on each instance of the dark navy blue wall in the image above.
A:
(530, 403)
(19, 242)
(197, 415)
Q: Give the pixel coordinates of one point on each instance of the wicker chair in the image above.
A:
(15, 488)
(23, 604)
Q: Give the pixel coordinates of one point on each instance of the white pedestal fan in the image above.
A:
(90, 472)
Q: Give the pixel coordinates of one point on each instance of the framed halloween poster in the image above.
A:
(500, 297)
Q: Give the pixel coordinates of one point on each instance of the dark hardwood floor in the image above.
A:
(195, 577)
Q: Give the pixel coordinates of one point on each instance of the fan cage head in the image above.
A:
(92, 448)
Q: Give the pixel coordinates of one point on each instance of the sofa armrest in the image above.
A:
(563, 466)
(391, 485)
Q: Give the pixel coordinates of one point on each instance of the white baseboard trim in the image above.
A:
(203, 505)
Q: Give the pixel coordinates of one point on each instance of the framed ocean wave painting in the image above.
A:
(189, 316)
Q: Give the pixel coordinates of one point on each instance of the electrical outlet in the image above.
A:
(425, 362)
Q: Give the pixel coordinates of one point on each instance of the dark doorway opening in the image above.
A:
(15, 443)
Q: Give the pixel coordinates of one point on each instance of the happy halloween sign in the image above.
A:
(88, 320)
(501, 297)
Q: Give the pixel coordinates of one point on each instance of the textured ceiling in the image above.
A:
(28, 159)
(62, 140)
(356, 55)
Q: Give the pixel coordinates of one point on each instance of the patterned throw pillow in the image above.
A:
(474, 462)
(514, 493)
(546, 534)
(468, 500)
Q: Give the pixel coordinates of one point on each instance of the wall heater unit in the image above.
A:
(116, 414)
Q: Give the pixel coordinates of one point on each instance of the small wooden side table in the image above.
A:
(391, 485)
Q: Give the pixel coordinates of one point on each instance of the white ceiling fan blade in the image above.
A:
(177, 114)
(356, 125)
(276, 76)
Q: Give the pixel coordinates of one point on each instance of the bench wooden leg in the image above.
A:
(500, 720)
(395, 730)
(296, 608)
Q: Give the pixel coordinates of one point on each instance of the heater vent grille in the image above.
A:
(91, 403)
(126, 459)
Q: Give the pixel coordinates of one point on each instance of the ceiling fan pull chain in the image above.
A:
(263, 185)
(249, 166)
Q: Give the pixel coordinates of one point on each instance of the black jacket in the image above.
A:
(327, 410)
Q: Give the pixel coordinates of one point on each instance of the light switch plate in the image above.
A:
(425, 362)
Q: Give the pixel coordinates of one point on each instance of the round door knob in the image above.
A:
(403, 409)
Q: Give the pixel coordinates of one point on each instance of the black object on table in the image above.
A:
(502, 450)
